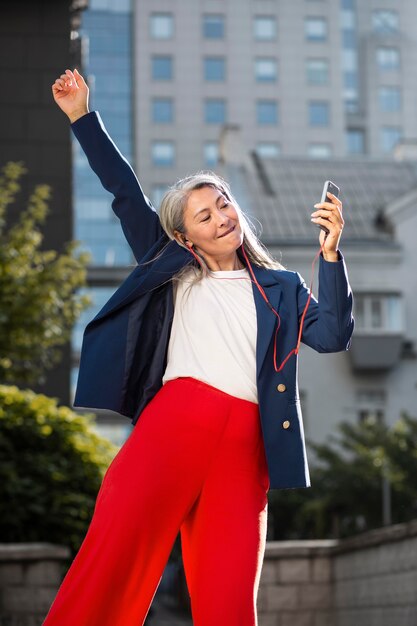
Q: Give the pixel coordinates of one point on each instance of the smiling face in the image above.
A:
(212, 227)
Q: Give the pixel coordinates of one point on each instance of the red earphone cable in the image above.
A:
(300, 331)
(263, 294)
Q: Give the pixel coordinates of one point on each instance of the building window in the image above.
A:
(318, 113)
(390, 136)
(213, 26)
(265, 27)
(267, 112)
(317, 71)
(315, 28)
(157, 193)
(371, 404)
(162, 67)
(215, 111)
(161, 26)
(162, 110)
(211, 153)
(385, 22)
(268, 149)
(355, 140)
(163, 153)
(266, 70)
(389, 99)
(214, 68)
(378, 313)
(388, 59)
(319, 150)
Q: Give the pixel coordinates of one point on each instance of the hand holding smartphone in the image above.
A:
(334, 189)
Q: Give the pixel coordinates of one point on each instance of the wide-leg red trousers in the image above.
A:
(194, 462)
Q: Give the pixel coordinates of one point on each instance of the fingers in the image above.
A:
(79, 77)
(329, 214)
(68, 80)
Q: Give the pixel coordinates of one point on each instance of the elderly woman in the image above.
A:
(198, 346)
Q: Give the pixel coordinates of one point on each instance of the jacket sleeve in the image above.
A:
(138, 218)
(328, 324)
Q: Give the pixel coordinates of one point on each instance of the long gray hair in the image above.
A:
(171, 215)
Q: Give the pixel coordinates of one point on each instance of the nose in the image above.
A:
(222, 218)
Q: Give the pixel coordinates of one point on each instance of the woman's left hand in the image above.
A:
(329, 214)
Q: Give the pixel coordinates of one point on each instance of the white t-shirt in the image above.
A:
(213, 335)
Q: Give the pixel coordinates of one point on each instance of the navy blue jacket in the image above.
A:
(124, 348)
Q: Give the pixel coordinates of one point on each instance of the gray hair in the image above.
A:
(171, 215)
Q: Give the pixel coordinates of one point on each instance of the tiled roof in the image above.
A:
(281, 192)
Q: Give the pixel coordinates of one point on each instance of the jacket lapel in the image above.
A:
(266, 320)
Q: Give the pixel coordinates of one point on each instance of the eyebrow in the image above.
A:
(219, 197)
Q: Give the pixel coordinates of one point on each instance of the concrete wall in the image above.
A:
(369, 580)
(30, 574)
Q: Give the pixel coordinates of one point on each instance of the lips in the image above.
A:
(227, 232)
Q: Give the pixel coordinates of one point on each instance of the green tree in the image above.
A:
(51, 466)
(39, 303)
(347, 483)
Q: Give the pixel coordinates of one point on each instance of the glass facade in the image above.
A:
(108, 67)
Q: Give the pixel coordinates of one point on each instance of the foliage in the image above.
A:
(51, 466)
(37, 287)
(347, 478)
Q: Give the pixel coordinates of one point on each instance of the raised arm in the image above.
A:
(328, 324)
(139, 220)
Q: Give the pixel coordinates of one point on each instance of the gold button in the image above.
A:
(281, 387)
(286, 424)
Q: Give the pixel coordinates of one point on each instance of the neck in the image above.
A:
(225, 264)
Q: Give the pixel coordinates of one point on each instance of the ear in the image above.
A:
(182, 239)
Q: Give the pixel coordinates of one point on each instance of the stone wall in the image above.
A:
(30, 574)
(368, 580)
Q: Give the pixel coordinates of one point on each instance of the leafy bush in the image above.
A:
(51, 466)
(39, 294)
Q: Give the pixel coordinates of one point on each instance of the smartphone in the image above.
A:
(334, 189)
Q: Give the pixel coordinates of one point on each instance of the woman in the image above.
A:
(193, 347)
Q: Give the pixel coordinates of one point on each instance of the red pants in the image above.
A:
(194, 462)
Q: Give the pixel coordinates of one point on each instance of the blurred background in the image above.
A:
(277, 96)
